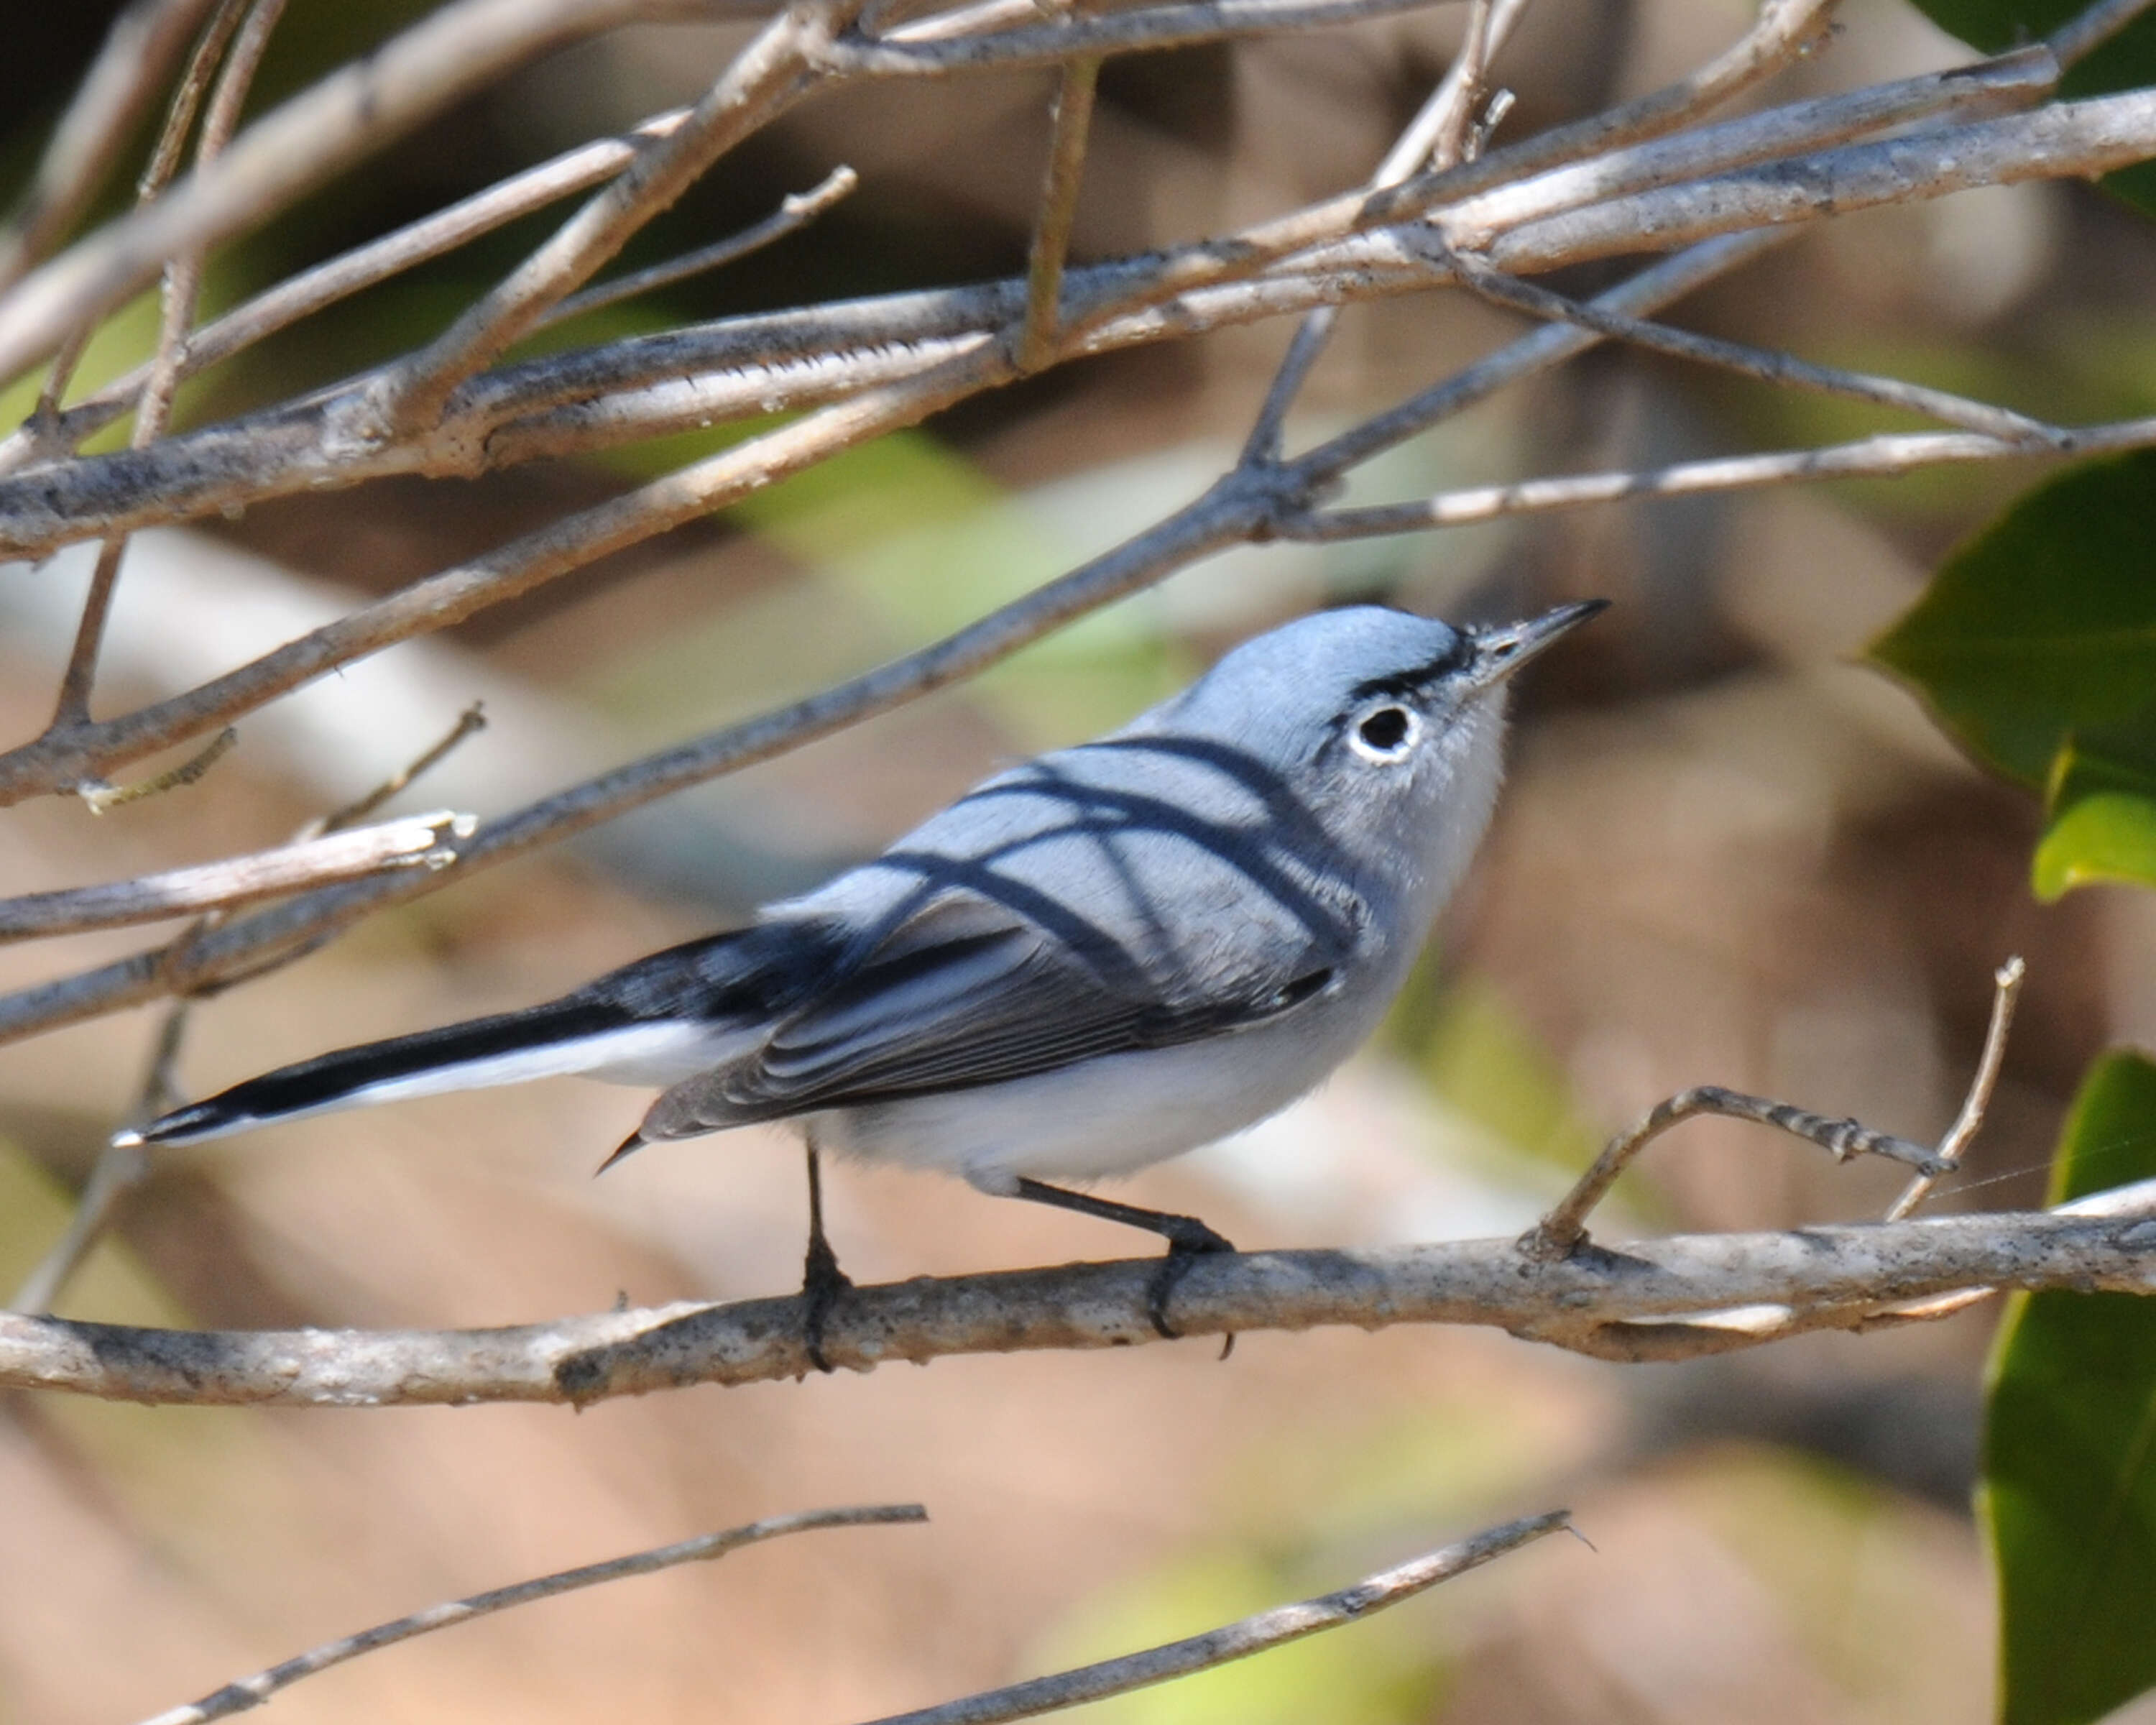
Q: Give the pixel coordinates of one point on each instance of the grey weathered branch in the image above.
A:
(751, 366)
(2108, 131)
(1643, 1299)
(420, 840)
(356, 110)
(122, 83)
(1255, 1634)
(246, 1692)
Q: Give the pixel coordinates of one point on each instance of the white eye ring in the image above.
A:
(1385, 734)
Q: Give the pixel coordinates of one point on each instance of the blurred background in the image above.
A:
(1729, 853)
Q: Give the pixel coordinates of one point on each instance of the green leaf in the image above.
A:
(2069, 1491)
(2101, 822)
(2126, 62)
(2044, 624)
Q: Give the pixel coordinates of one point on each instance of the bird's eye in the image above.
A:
(1384, 734)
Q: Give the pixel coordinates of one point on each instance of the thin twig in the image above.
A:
(364, 266)
(1887, 456)
(2006, 990)
(1766, 365)
(123, 1163)
(1431, 139)
(797, 210)
(1565, 1227)
(460, 48)
(469, 724)
(119, 1169)
(165, 158)
(1059, 210)
(1644, 1301)
(237, 1696)
(418, 841)
(2082, 35)
(181, 287)
(1254, 1634)
(770, 75)
(117, 90)
(102, 798)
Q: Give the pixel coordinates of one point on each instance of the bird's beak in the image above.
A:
(1500, 652)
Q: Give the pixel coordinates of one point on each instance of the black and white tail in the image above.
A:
(657, 1021)
(568, 1036)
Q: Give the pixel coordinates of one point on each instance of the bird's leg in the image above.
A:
(1188, 1239)
(822, 1280)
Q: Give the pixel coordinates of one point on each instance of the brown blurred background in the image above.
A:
(1728, 854)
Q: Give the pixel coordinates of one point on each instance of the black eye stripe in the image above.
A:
(1408, 684)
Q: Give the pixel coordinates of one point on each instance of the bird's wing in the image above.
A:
(966, 993)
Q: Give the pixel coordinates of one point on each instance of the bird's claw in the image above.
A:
(1191, 1240)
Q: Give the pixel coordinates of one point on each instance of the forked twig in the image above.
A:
(237, 1696)
(1562, 1230)
(1255, 1634)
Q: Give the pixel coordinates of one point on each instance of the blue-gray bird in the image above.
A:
(1101, 958)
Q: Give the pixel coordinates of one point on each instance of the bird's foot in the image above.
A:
(1188, 1239)
(822, 1283)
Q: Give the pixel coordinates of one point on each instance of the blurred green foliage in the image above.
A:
(1473, 1052)
(2102, 818)
(2035, 645)
(2069, 1493)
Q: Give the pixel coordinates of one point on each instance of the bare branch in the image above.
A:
(1255, 1634)
(415, 842)
(143, 41)
(1153, 27)
(2080, 36)
(1205, 285)
(766, 79)
(1883, 457)
(352, 272)
(795, 212)
(90, 752)
(2006, 989)
(1059, 210)
(357, 109)
(1625, 1303)
(237, 1696)
(1763, 364)
(2069, 139)
(1563, 1229)
(181, 296)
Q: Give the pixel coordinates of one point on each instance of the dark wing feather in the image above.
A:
(962, 994)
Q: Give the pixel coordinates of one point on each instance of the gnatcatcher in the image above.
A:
(1105, 957)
